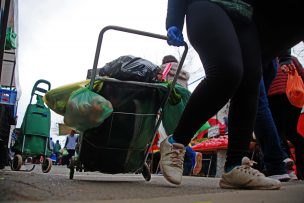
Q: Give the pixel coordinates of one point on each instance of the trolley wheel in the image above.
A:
(146, 172)
(72, 168)
(16, 163)
(46, 165)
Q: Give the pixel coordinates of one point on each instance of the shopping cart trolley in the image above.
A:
(121, 143)
(34, 134)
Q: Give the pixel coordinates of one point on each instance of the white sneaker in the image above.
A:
(171, 161)
(292, 175)
(246, 177)
(289, 163)
(281, 177)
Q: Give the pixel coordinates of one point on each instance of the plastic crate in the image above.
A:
(8, 96)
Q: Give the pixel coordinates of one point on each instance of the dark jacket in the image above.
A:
(57, 147)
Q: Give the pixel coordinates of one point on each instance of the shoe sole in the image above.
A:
(293, 177)
(198, 164)
(225, 185)
(282, 178)
(167, 178)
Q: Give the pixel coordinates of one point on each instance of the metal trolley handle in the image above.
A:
(137, 32)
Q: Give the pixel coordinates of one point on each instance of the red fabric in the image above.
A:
(214, 143)
(201, 134)
(154, 146)
(214, 122)
(300, 127)
(278, 85)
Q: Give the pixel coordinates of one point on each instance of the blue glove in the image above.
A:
(175, 36)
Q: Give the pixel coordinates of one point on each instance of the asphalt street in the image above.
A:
(55, 186)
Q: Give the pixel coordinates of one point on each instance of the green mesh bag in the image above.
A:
(86, 109)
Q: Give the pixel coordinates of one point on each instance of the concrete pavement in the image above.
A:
(97, 187)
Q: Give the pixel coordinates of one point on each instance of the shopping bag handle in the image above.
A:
(137, 32)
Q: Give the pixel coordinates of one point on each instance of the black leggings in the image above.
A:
(231, 58)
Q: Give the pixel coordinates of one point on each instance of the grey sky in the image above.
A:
(57, 39)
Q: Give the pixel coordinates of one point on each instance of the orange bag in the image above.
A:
(295, 88)
(300, 127)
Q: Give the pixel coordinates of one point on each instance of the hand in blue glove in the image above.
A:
(175, 36)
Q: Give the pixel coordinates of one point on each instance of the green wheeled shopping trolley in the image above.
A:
(121, 143)
(33, 137)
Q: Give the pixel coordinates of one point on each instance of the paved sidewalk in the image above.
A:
(128, 188)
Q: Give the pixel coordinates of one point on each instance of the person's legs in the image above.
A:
(279, 112)
(57, 158)
(188, 161)
(295, 138)
(298, 143)
(268, 138)
(279, 29)
(243, 104)
(232, 71)
(71, 152)
(217, 45)
(242, 116)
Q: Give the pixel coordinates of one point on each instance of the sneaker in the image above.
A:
(289, 163)
(281, 177)
(292, 175)
(246, 177)
(198, 163)
(171, 161)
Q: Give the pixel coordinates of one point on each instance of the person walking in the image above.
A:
(70, 145)
(230, 53)
(51, 144)
(284, 113)
(228, 45)
(57, 148)
(269, 140)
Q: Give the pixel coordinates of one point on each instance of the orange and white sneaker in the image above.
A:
(245, 177)
(171, 161)
(198, 163)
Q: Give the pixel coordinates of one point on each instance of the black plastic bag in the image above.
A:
(131, 68)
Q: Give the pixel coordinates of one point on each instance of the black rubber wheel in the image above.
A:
(146, 172)
(46, 165)
(16, 163)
